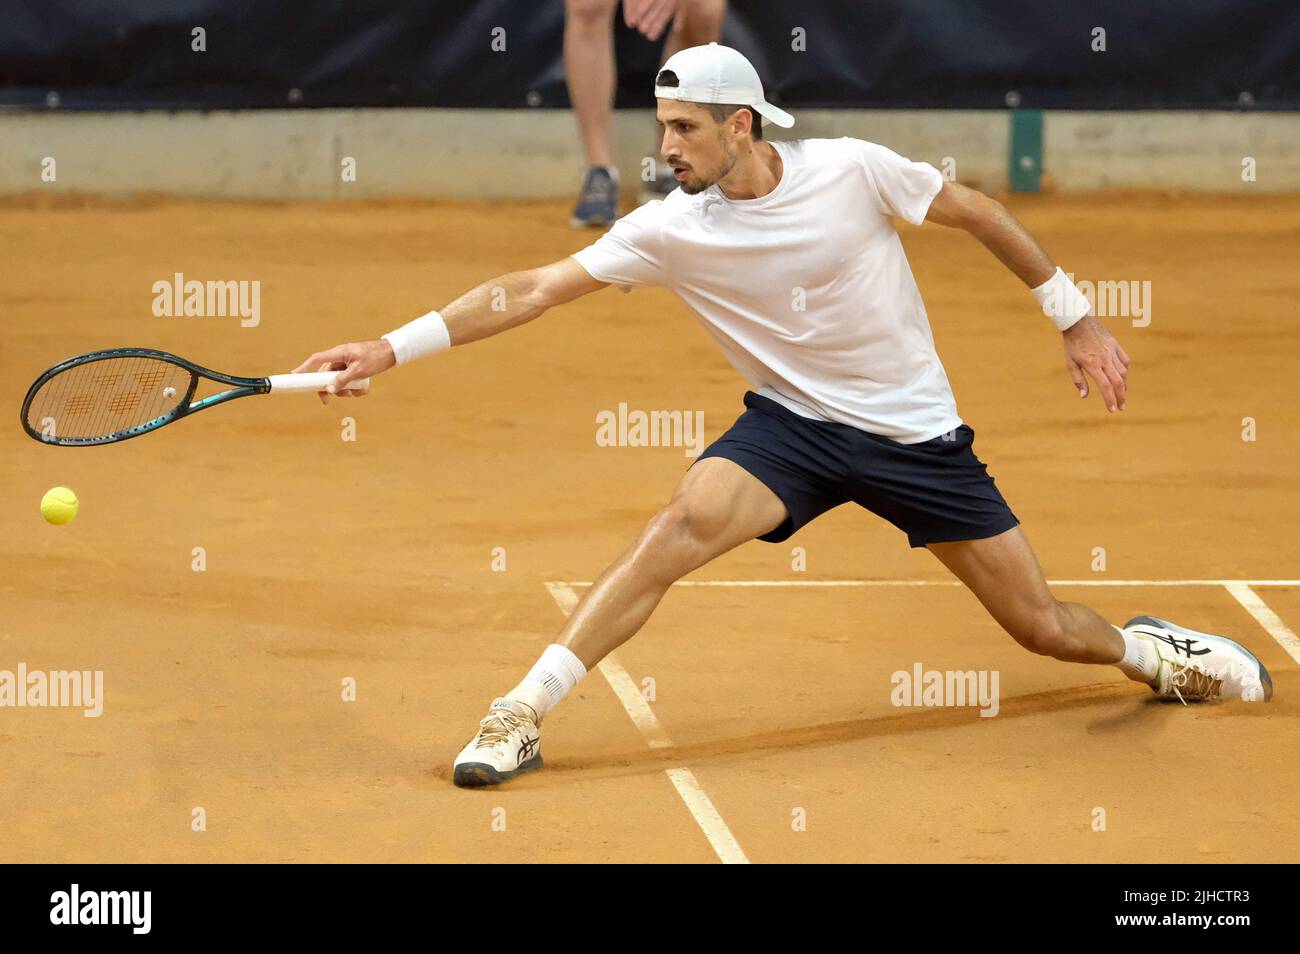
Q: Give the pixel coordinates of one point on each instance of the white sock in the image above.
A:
(549, 681)
(1140, 661)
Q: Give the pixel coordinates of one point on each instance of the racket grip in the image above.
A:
(310, 381)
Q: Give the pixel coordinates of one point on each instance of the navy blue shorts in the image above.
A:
(936, 491)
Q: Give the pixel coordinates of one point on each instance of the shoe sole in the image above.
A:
(480, 774)
(1265, 679)
(590, 223)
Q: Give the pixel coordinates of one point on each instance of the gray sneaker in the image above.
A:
(598, 200)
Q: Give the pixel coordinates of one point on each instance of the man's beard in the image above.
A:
(695, 188)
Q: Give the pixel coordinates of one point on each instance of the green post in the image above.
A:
(1026, 158)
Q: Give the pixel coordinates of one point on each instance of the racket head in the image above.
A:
(109, 396)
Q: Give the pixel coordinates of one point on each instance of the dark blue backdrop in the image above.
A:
(102, 54)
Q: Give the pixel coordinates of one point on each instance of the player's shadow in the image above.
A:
(1119, 697)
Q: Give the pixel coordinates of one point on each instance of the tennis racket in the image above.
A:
(109, 396)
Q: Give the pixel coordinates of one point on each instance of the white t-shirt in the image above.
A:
(806, 289)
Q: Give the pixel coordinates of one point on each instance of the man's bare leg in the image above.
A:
(717, 506)
(589, 72)
(1005, 576)
(697, 23)
(1176, 662)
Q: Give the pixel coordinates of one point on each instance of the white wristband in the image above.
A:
(1061, 300)
(425, 335)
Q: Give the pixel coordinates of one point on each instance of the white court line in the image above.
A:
(684, 781)
(1257, 608)
(1092, 582)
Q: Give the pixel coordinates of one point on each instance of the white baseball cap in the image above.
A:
(719, 74)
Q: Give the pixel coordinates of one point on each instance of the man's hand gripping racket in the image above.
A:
(355, 363)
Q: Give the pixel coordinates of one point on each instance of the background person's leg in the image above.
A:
(589, 73)
(697, 22)
(1004, 575)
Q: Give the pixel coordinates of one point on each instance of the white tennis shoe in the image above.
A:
(1199, 666)
(507, 743)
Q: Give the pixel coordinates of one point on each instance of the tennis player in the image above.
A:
(850, 401)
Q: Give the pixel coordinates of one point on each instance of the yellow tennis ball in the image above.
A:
(59, 505)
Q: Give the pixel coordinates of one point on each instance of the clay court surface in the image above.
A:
(373, 559)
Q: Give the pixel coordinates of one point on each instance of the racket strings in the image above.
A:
(107, 397)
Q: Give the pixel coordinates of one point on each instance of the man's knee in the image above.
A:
(1043, 630)
(682, 532)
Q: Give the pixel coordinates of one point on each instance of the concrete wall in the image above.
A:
(535, 154)
(1186, 150)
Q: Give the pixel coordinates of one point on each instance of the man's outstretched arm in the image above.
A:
(1089, 347)
(497, 304)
